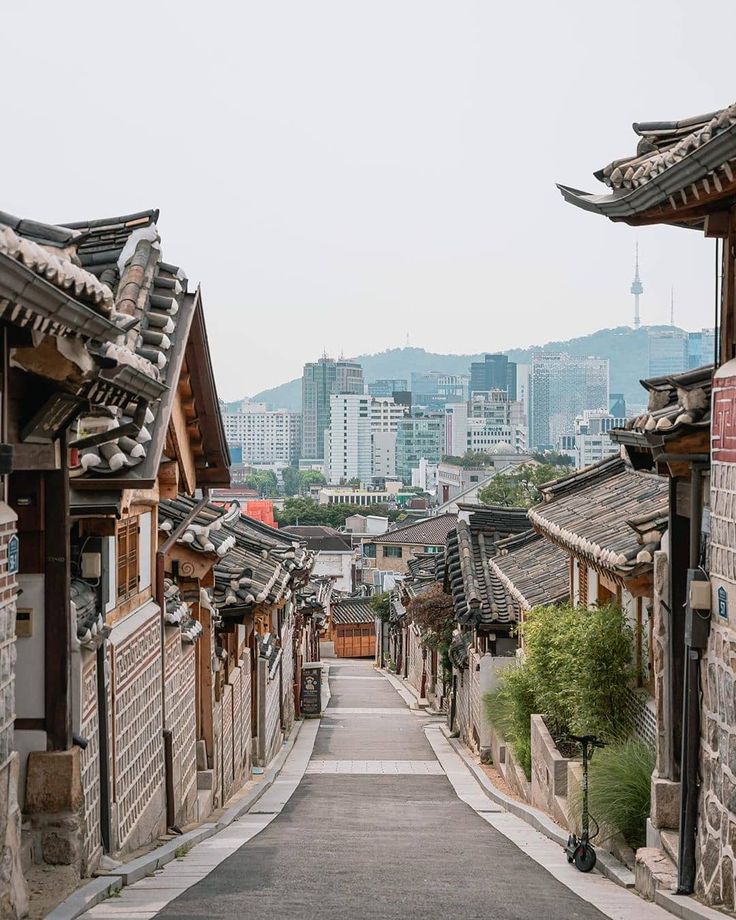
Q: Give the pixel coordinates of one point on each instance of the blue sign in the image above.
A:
(13, 554)
(722, 603)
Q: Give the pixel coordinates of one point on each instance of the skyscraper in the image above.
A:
(668, 352)
(563, 387)
(320, 380)
(494, 372)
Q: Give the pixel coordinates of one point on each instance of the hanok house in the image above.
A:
(486, 621)
(353, 628)
(682, 174)
(668, 439)
(251, 652)
(610, 519)
(121, 685)
(55, 320)
(413, 660)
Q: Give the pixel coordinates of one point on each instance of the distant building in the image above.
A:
(487, 420)
(418, 437)
(561, 388)
(591, 441)
(334, 554)
(348, 448)
(392, 551)
(494, 372)
(454, 479)
(263, 435)
(347, 495)
(425, 385)
(425, 476)
(617, 405)
(522, 387)
(320, 380)
(453, 388)
(701, 348)
(387, 387)
(668, 352)
(366, 523)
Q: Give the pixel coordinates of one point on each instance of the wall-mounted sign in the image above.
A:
(23, 622)
(13, 554)
(722, 603)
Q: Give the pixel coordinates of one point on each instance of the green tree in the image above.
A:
(290, 477)
(309, 478)
(552, 458)
(306, 511)
(264, 482)
(518, 487)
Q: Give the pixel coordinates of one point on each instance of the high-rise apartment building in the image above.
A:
(416, 437)
(361, 440)
(387, 387)
(494, 372)
(701, 348)
(263, 435)
(320, 380)
(668, 352)
(561, 388)
(453, 388)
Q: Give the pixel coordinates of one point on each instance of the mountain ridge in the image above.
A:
(627, 350)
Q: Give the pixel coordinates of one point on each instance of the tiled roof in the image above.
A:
(592, 513)
(676, 162)
(533, 571)
(255, 563)
(478, 596)
(424, 570)
(352, 610)
(431, 531)
(677, 403)
(320, 539)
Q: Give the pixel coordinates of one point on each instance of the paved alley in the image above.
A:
(374, 830)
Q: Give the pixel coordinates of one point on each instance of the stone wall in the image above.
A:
(13, 893)
(716, 838)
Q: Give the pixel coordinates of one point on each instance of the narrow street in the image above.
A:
(374, 829)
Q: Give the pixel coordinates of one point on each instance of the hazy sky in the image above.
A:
(339, 174)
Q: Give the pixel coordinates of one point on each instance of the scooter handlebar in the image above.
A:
(592, 740)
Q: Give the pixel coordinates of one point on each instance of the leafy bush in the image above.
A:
(576, 672)
(381, 604)
(434, 614)
(619, 796)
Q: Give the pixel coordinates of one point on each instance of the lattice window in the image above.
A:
(138, 760)
(127, 548)
(90, 761)
(583, 583)
(7, 679)
(227, 742)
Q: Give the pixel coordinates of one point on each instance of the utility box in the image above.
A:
(697, 618)
(311, 690)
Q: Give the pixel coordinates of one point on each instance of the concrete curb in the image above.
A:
(100, 888)
(685, 907)
(609, 866)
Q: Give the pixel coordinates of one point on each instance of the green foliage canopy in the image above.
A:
(264, 482)
(519, 486)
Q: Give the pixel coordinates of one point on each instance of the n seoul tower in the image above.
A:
(637, 289)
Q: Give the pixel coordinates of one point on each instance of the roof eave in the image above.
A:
(693, 167)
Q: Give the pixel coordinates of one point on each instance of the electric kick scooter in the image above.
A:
(579, 849)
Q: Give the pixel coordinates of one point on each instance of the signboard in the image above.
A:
(13, 554)
(311, 689)
(722, 603)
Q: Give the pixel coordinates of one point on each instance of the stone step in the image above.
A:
(671, 844)
(654, 871)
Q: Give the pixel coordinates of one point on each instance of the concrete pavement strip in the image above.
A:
(105, 888)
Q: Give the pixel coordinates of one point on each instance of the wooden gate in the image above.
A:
(355, 640)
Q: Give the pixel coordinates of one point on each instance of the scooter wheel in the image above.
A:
(569, 859)
(585, 858)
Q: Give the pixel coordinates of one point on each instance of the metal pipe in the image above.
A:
(161, 601)
(689, 786)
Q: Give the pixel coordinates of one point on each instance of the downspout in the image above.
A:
(161, 601)
(689, 784)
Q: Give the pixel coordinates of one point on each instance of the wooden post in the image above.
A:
(58, 610)
(728, 293)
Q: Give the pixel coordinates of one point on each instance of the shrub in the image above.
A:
(510, 709)
(576, 672)
(381, 604)
(619, 796)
